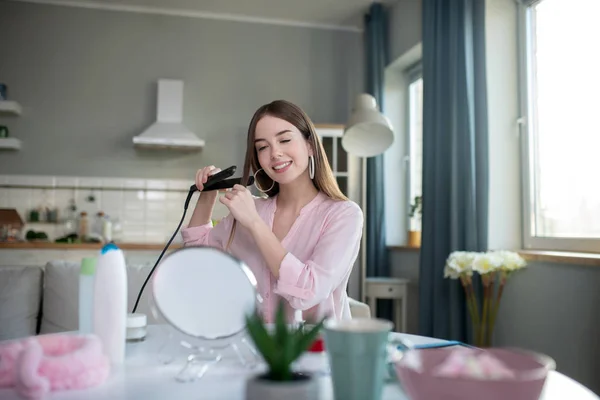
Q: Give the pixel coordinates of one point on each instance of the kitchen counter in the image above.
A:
(39, 253)
(83, 246)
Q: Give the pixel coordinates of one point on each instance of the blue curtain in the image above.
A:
(376, 61)
(455, 157)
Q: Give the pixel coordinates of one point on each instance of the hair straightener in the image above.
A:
(217, 181)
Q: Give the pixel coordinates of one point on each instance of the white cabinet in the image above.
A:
(331, 137)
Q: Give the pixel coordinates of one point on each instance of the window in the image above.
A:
(415, 141)
(560, 83)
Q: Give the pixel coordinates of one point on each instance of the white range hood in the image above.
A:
(169, 132)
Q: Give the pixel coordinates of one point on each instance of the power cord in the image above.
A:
(193, 189)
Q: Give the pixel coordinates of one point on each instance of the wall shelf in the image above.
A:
(10, 144)
(10, 107)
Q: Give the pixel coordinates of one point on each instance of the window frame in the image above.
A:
(411, 74)
(528, 134)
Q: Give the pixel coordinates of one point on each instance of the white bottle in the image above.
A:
(86, 294)
(107, 229)
(110, 302)
(98, 223)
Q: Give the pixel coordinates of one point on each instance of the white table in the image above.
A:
(143, 377)
(395, 289)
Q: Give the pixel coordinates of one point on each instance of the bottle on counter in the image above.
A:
(70, 222)
(107, 229)
(98, 223)
(86, 294)
(110, 302)
(41, 210)
(116, 230)
(83, 226)
(52, 214)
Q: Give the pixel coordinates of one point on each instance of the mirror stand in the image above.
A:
(200, 354)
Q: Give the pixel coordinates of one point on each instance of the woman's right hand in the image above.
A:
(203, 174)
(206, 201)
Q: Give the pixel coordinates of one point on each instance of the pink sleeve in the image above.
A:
(306, 284)
(207, 235)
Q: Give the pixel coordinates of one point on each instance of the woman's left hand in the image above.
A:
(240, 203)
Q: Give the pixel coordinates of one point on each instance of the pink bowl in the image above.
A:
(530, 370)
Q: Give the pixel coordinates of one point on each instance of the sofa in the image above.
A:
(40, 300)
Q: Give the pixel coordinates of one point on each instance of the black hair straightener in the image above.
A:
(217, 181)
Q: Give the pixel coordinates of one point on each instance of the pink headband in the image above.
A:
(39, 364)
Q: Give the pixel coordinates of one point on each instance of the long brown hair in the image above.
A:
(324, 180)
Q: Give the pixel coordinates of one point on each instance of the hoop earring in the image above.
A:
(311, 167)
(258, 186)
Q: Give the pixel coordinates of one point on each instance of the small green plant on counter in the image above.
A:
(283, 345)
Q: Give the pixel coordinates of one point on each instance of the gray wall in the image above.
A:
(548, 307)
(404, 27)
(86, 80)
(554, 309)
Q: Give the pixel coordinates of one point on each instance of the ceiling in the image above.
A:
(335, 14)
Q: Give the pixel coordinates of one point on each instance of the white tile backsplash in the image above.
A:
(147, 215)
(90, 182)
(156, 206)
(112, 196)
(66, 181)
(38, 181)
(113, 183)
(134, 217)
(179, 185)
(21, 199)
(156, 196)
(177, 196)
(156, 185)
(134, 184)
(62, 198)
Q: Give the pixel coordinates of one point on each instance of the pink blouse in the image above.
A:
(322, 246)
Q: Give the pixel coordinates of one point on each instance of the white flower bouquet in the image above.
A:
(494, 268)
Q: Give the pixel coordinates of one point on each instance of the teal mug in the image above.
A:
(357, 353)
(3, 132)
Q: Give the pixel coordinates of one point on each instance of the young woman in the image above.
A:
(303, 239)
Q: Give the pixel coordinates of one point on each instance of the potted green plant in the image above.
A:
(280, 346)
(414, 232)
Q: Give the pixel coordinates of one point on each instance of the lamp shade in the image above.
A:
(368, 133)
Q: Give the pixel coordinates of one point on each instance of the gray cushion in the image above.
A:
(60, 304)
(61, 295)
(20, 296)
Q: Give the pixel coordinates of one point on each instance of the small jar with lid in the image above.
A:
(136, 327)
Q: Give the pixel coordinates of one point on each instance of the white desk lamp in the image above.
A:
(368, 133)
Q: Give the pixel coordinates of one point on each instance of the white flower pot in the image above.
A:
(304, 387)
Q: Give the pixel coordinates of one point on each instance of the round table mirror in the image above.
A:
(204, 292)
